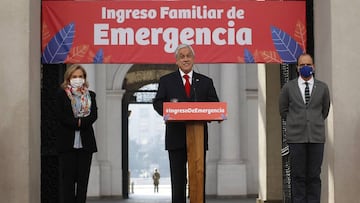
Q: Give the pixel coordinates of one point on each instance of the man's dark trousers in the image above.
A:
(305, 162)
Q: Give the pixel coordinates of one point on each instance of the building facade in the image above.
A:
(248, 144)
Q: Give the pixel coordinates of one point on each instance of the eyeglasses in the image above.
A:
(305, 64)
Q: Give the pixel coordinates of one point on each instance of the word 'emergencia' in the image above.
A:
(104, 35)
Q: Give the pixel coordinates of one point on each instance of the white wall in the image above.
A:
(337, 52)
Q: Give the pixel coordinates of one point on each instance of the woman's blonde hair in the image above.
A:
(69, 71)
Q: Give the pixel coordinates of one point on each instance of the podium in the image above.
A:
(195, 114)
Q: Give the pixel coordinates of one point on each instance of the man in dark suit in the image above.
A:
(304, 103)
(172, 88)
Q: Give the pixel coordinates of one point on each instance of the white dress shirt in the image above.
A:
(190, 74)
(302, 85)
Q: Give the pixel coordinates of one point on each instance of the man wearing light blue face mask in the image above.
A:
(305, 102)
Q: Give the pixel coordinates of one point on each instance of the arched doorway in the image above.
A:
(138, 77)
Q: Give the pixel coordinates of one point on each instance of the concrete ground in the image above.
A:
(145, 194)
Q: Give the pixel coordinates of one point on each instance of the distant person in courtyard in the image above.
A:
(76, 112)
(182, 85)
(305, 102)
(156, 180)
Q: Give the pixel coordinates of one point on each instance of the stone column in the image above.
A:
(20, 72)
(249, 143)
(96, 76)
(231, 170)
(270, 162)
(91, 75)
(111, 171)
(212, 155)
(337, 64)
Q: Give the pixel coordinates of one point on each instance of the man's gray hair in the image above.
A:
(183, 46)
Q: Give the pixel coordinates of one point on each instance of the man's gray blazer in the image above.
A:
(304, 123)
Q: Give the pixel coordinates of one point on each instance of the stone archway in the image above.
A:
(115, 84)
(136, 77)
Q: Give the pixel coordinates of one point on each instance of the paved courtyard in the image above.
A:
(145, 194)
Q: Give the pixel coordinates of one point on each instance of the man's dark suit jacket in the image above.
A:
(304, 123)
(67, 124)
(171, 87)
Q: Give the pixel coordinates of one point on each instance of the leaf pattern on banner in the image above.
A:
(256, 56)
(59, 46)
(248, 56)
(77, 53)
(45, 35)
(270, 57)
(285, 45)
(107, 59)
(240, 59)
(99, 56)
(91, 57)
(300, 34)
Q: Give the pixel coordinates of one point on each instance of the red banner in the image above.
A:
(150, 31)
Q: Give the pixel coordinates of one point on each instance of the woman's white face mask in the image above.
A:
(77, 82)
